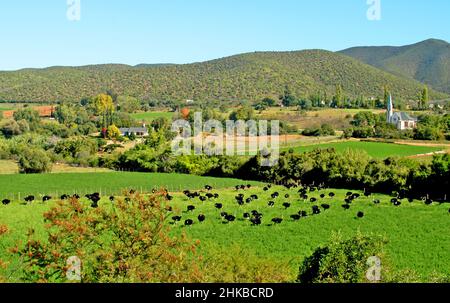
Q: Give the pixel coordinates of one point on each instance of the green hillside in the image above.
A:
(427, 61)
(249, 76)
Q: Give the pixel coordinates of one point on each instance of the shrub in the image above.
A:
(34, 161)
(126, 242)
(341, 261)
(324, 130)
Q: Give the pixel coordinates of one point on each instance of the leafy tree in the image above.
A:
(338, 98)
(424, 98)
(128, 104)
(244, 113)
(105, 107)
(269, 102)
(288, 99)
(27, 114)
(113, 132)
(66, 114)
(10, 128)
(305, 105)
(34, 161)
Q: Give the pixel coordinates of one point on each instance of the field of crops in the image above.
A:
(108, 183)
(150, 116)
(373, 149)
(416, 233)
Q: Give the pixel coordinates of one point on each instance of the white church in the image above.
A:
(401, 120)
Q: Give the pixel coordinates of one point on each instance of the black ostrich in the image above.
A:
(6, 202)
(29, 199)
(286, 205)
(176, 218)
(201, 218)
(303, 213)
(325, 206)
(277, 220)
(190, 208)
(230, 218)
(360, 215)
(316, 210)
(188, 222)
(256, 221)
(295, 217)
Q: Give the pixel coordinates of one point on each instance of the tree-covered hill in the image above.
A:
(427, 61)
(251, 77)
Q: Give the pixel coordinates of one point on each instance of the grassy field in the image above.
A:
(416, 233)
(339, 118)
(374, 149)
(109, 182)
(8, 167)
(150, 116)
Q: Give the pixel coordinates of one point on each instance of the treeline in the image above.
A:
(350, 170)
(370, 125)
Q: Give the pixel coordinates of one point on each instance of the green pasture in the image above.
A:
(416, 233)
(150, 116)
(373, 149)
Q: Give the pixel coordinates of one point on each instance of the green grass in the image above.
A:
(150, 116)
(417, 233)
(108, 183)
(374, 149)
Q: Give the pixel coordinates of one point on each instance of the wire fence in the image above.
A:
(105, 191)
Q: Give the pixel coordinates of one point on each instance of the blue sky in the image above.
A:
(37, 33)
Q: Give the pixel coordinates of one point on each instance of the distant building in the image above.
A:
(401, 120)
(134, 131)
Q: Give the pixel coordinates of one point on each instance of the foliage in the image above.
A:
(128, 242)
(113, 132)
(341, 261)
(34, 161)
(128, 104)
(10, 128)
(324, 130)
(243, 113)
(251, 77)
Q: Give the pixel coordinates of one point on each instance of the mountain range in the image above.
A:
(427, 61)
(252, 76)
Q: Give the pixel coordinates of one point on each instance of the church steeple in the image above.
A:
(390, 108)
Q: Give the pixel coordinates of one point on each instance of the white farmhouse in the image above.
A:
(401, 120)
